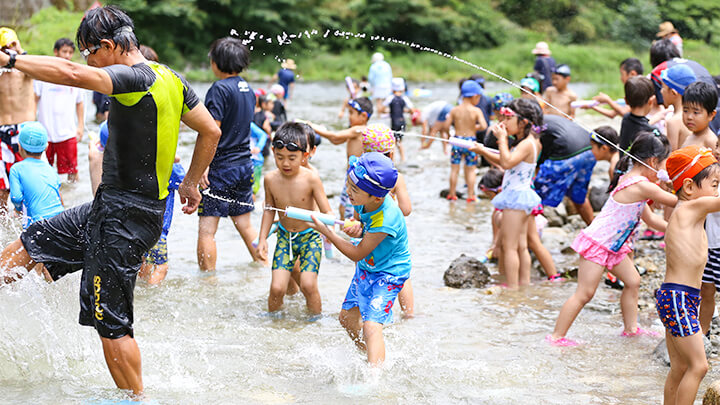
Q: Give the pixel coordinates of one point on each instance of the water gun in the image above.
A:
(592, 103)
(461, 143)
(422, 93)
(327, 219)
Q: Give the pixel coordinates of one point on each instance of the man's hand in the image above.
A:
(79, 134)
(190, 196)
(4, 58)
(204, 182)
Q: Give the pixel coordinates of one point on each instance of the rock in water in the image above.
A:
(466, 272)
(444, 193)
(661, 354)
(597, 197)
(712, 394)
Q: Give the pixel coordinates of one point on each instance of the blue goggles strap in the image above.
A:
(354, 104)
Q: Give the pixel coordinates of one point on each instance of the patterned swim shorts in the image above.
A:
(307, 245)
(677, 307)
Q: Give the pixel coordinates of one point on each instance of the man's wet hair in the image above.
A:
(638, 90)
(632, 65)
(366, 105)
(703, 94)
(63, 42)
(292, 132)
(662, 50)
(229, 54)
(107, 23)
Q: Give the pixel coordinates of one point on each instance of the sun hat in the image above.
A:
(501, 100)
(563, 70)
(398, 84)
(7, 36)
(530, 83)
(373, 173)
(541, 48)
(665, 28)
(378, 138)
(377, 57)
(678, 77)
(33, 137)
(470, 88)
(289, 64)
(686, 162)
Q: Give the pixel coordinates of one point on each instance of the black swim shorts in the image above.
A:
(107, 239)
(230, 193)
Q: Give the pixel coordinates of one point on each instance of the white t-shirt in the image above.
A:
(431, 112)
(57, 109)
(712, 228)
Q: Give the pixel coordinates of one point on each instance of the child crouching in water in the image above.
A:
(695, 174)
(517, 198)
(606, 242)
(296, 186)
(382, 256)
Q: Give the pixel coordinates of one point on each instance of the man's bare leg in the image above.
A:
(12, 257)
(206, 248)
(123, 360)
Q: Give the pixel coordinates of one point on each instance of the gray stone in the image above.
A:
(466, 272)
(661, 354)
(597, 197)
(556, 216)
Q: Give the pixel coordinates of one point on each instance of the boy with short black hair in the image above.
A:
(695, 175)
(640, 97)
(293, 185)
(699, 103)
(361, 109)
(602, 141)
(674, 82)
(382, 256)
(559, 95)
(629, 67)
(231, 102)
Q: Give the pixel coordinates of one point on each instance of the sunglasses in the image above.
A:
(361, 173)
(290, 146)
(88, 51)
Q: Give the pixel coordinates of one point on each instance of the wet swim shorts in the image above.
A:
(107, 239)
(234, 186)
(677, 306)
(9, 152)
(374, 295)
(571, 177)
(158, 254)
(307, 245)
(457, 154)
(712, 268)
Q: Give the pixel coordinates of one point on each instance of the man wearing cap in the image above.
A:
(667, 31)
(380, 79)
(674, 82)
(17, 105)
(544, 64)
(108, 237)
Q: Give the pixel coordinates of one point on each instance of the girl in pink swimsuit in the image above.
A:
(606, 242)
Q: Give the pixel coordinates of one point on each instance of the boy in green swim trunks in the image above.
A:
(293, 185)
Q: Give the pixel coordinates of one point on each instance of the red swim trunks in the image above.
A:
(66, 153)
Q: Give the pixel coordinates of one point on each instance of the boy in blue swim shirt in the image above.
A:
(34, 184)
(382, 256)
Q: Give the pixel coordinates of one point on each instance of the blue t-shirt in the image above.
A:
(176, 177)
(285, 77)
(258, 139)
(392, 255)
(545, 65)
(35, 185)
(232, 102)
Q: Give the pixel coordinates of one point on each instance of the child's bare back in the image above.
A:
(466, 119)
(297, 191)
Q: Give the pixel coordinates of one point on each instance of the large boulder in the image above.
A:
(466, 272)
(597, 197)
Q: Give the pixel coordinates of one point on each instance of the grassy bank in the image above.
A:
(594, 63)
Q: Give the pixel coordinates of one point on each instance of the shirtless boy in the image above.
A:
(698, 107)
(17, 105)
(559, 94)
(361, 109)
(467, 119)
(696, 175)
(674, 82)
(293, 185)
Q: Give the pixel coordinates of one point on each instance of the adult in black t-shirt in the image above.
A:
(108, 237)
(566, 165)
(229, 178)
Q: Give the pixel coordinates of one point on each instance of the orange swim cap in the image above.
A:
(686, 162)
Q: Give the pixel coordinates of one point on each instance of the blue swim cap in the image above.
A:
(373, 173)
(33, 137)
(470, 88)
(501, 100)
(104, 133)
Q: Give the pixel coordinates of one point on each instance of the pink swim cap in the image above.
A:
(378, 138)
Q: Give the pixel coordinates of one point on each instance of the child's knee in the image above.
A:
(584, 296)
(277, 288)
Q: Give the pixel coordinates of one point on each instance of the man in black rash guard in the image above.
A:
(108, 237)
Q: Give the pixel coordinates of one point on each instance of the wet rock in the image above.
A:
(597, 197)
(712, 394)
(444, 193)
(466, 272)
(661, 354)
(556, 216)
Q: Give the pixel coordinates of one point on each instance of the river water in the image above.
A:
(208, 338)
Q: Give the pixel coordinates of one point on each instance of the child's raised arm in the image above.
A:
(653, 220)
(402, 195)
(509, 159)
(355, 253)
(336, 138)
(654, 192)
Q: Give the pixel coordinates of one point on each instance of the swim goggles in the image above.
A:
(359, 173)
(506, 112)
(91, 50)
(290, 146)
(356, 106)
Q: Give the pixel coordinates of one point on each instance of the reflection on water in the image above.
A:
(208, 338)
